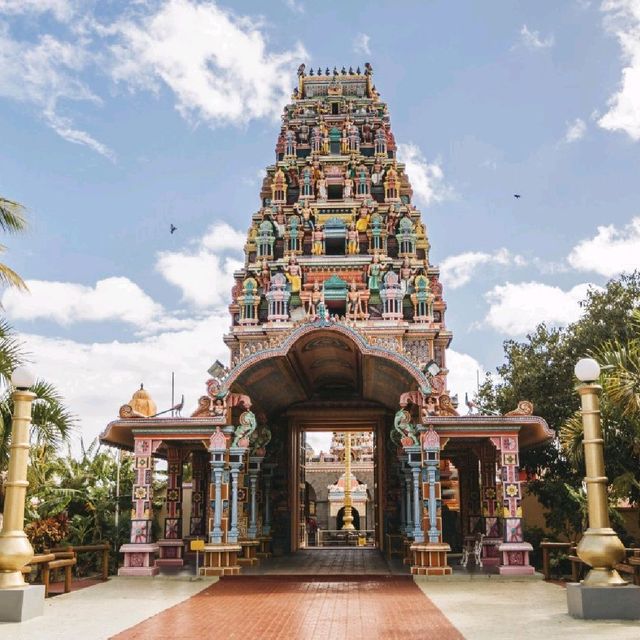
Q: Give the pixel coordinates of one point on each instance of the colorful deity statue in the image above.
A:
(314, 300)
(279, 187)
(367, 132)
(354, 138)
(376, 173)
(293, 177)
(317, 241)
(321, 188)
(344, 140)
(355, 303)
(406, 275)
(374, 273)
(353, 240)
(242, 433)
(347, 192)
(316, 140)
(280, 221)
(392, 185)
(307, 219)
(362, 223)
(265, 275)
(293, 274)
(403, 427)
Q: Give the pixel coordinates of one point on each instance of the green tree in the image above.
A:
(12, 220)
(540, 369)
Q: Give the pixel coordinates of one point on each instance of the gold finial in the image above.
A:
(142, 403)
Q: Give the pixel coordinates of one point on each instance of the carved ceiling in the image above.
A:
(323, 365)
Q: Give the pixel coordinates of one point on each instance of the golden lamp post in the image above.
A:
(600, 547)
(15, 549)
(347, 520)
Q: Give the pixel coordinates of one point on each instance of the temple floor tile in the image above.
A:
(296, 607)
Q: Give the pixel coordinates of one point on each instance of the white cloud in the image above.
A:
(516, 309)
(610, 251)
(463, 375)
(296, 7)
(457, 270)
(204, 276)
(97, 378)
(62, 10)
(575, 130)
(623, 20)
(427, 179)
(44, 74)
(361, 44)
(226, 74)
(533, 40)
(115, 299)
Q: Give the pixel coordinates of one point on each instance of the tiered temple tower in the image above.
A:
(337, 234)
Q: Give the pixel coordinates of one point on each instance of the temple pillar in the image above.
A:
(265, 539)
(414, 462)
(255, 466)
(196, 520)
(514, 550)
(490, 504)
(236, 455)
(140, 552)
(403, 502)
(220, 556)
(172, 545)
(408, 483)
(430, 557)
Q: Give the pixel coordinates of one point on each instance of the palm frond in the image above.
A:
(12, 216)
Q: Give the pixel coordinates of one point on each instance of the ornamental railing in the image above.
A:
(341, 538)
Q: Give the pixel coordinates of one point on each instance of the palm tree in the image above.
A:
(621, 371)
(12, 220)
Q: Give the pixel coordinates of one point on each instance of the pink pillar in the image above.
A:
(514, 550)
(172, 545)
(490, 504)
(140, 553)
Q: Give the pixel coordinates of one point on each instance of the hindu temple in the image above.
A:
(337, 323)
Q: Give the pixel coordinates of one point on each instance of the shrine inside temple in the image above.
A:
(337, 323)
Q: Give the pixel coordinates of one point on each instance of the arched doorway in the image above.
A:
(325, 376)
(340, 518)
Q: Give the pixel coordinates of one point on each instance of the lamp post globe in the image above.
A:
(587, 370)
(22, 378)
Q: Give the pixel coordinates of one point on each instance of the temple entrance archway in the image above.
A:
(324, 377)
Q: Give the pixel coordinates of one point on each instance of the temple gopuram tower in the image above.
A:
(337, 324)
(337, 236)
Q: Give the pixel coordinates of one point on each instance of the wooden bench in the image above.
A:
(101, 548)
(547, 549)
(63, 560)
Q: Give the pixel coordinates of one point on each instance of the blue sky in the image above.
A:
(117, 119)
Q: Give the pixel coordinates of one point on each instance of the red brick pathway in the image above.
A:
(297, 608)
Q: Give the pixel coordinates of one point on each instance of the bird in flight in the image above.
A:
(173, 228)
(517, 195)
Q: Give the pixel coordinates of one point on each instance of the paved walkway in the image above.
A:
(334, 562)
(296, 608)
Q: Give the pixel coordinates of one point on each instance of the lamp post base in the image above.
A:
(603, 603)
(17, 605)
